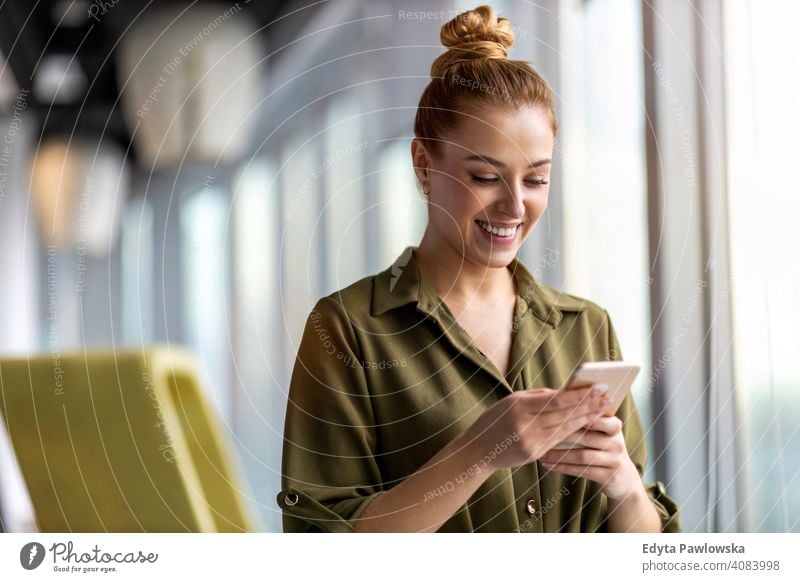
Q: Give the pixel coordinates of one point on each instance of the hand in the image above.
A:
(524, 425)
(606, 461)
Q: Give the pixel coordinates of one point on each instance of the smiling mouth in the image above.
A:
(501, 231)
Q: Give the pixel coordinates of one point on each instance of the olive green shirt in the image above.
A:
(385, 378)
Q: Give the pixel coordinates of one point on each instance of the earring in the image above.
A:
(426, 189)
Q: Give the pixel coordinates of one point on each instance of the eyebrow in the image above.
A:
(498, 163)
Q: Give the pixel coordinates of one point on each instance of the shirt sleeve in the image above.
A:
(329, 469)
(636, 442)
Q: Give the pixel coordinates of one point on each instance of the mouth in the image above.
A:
(499, 233)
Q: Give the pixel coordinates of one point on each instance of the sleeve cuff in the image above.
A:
(302, 512)
(665, 506)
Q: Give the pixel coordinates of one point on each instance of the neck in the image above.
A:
(456, 279)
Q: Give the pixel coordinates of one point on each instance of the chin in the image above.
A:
(497, 257)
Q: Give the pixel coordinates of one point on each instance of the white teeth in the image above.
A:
(505, 232)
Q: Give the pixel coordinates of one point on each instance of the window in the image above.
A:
(301, 265)
(603, 156)
(763, 52)
(401, 208)
(137, 272)
(343, 215)
(258, 343)
(204, 261)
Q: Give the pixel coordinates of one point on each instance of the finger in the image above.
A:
(568, 420)
(553, 400)
(566, 425)
(596, 474)
(540, 392)
(586, 456)
(586, 411)
(609, 425)
(575, 397)
(592, 439)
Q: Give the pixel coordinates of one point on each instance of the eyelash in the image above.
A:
(480, 180)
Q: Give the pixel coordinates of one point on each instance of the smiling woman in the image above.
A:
(503, 194)
(461, 438)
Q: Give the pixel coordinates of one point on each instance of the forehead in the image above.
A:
(513, 136)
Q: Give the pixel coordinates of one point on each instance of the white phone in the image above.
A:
(615, 378)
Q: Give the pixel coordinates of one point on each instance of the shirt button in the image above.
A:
(530, 507)
(291, 499)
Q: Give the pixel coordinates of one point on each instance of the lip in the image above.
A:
(499, 240)
(499, 224)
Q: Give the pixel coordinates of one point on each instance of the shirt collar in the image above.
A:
(401, 284)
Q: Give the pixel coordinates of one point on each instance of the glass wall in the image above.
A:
(257, 343)
(763, 52)
(230, 262)
(137, 272)
(205, 265)
(601, 148)
(341, 226)
(403, 212)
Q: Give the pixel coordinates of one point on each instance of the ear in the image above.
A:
(421, 160)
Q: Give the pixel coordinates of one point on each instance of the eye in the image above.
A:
(535, 183)
(484, 179)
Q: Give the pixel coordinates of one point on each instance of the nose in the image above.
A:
(512, 203)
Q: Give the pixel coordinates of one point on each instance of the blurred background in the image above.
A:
(201, 173)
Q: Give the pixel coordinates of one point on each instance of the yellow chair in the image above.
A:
(121, 441)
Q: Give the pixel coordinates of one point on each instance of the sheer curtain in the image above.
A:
(763, 89)
(602, 153)
(19, 307)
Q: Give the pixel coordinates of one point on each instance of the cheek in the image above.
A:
(537, 203)
(449, 182)
(458, 203)
(448, 211)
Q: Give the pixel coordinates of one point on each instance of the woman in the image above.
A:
(422, 397)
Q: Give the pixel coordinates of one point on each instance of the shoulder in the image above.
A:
(553, 300)
(351, 302)
(582, 319)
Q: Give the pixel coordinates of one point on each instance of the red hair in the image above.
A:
(474, 73)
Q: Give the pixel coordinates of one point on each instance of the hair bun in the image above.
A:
(472, 35)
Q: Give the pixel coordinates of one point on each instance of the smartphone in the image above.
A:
(615, 378)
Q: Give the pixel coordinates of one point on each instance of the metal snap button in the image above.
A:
(291, 499)
(530, 507)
